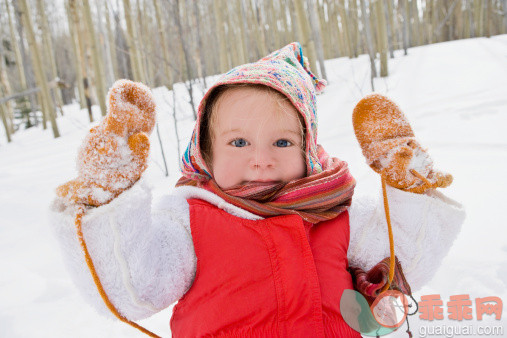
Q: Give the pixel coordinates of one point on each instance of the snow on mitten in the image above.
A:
(114, 154)
(390, 147)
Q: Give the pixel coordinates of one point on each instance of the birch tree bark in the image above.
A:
(37, 62)
(15, 45)
(26, 66)
(97, 60)
(307, 41)
(104, 43)
(132, 43)
(404, 10)
(200, 48)
(48, 49)
(369, 42)
(315, 26)
(345, 28)
(111, 42)
(354, 28)
(163, 45)
(78, 61)
(382, 37)
(5, 90)
(220, 29)
(74, 9)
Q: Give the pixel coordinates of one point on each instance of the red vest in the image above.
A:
(276, 277)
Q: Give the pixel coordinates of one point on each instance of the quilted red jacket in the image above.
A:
(276, 277)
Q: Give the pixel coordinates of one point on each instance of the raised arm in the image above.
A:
(142, 251)
(128, 256)
(424, 221)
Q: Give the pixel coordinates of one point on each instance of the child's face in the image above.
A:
(257, 138)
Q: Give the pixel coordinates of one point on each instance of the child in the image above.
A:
(257, 237)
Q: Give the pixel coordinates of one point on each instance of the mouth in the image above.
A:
(262, 182)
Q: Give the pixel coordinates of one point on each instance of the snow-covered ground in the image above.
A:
(454, 94)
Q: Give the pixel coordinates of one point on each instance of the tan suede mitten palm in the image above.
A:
(390, 147)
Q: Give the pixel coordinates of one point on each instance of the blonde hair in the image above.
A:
(210, 117)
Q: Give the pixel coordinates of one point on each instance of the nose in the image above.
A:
(262, 159)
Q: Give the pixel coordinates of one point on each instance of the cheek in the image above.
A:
(294, 164)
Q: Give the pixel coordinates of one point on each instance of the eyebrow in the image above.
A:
(236, 130)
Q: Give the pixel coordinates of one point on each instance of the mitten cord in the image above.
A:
(389, 226)
(390, 231)
(98, 284)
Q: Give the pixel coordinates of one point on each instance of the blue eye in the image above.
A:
(283, 143)
(240, 142)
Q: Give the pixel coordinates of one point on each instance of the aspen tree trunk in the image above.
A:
(213, 36)
(17, 53)
(345, 28)
(479, 17)
(504, 10)
(382, 37)
(389, 12)
(427, 21)
(131, 38)
(326, 34)
(27, 77)
(37, 61)
(77, 54)
(177, 18)
(145, 49)
(97, 60)
(404, 10)
(297, 31)
(288, 27)
(80, 54)
(163, 45)
(218, 6)
(5, 90)
(104, 43)
(307, 41)
(471, 18)
(434, 21)
(261, 34)
(234, 36)
(111, 42)
(245, 33)
(458, 22)
(336, 32)
(487, 18)
(8, 125)
(3, 115)
(466, 21)
(49, 50)
(258, 34)
(315, 26)
(369, 42)
(272, 33)
(417, 36)
(200, 47)
(122, 56)
(28, 68)
(354, 27)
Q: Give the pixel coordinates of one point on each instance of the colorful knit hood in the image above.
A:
(285, 70)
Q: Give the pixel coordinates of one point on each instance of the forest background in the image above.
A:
(53, 53)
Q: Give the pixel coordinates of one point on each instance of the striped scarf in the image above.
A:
(318, 197)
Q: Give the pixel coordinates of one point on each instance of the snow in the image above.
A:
(454, 95)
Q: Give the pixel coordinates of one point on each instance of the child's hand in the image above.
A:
(114, 154)
(391, 149)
